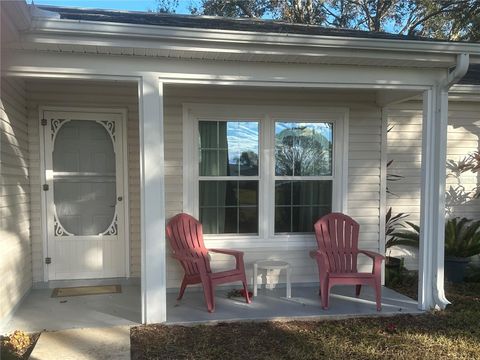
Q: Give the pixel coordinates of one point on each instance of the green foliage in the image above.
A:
(392, 222)
(408, 237)
(234, 8)
(391, 178)
(462, 237)
(443, 19)
(402, 279)
(167, 6)
(453, 20)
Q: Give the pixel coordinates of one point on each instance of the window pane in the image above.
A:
(312, 193)
(228, 148)
(247, 193)
(209, 162)
(208, 218)
(208, 193)
(227, 193)
(248, 220)
(229, 206)
(230, 220)
(208, 134)
(305, 216)
(303, 149)
(283, 192)
(283, 219)
(309, 200)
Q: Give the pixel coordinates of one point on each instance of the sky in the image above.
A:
(131, 5)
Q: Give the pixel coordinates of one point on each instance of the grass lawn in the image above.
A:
(450, 334)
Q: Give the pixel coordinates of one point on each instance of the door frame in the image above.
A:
(43, 194)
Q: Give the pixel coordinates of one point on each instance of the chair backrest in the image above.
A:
(337, 237)
(186, 239)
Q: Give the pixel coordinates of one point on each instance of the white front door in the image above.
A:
(84, 194)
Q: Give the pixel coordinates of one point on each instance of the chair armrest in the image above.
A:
(371, 254)
(192, 261)
(376, 257)
(239, 265)
(227, 252)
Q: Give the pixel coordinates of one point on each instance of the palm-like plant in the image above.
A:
(407, 237)
(462, 238)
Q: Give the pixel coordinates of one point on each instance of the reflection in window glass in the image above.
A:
(228, 148)
(303, 149)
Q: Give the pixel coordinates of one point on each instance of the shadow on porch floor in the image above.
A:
(40, 311)
(272, 305)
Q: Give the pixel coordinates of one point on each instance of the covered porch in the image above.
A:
(39, 311)
(164, 92)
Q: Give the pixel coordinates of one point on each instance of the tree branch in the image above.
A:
(444, 9)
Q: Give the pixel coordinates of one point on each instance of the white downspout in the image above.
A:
(452, 78)
(463, 62)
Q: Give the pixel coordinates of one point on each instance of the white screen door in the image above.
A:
(85, 211)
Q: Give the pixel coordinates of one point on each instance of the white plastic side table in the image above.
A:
(272, 265)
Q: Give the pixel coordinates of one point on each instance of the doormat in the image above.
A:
(86, 290)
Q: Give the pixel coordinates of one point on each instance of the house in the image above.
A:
(112, 122)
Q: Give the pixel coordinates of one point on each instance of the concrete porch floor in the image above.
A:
(41, 312)
(272, 305)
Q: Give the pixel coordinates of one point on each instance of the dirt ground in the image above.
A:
(450, 334)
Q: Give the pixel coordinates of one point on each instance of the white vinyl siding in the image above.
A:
(405, 149)
(363, 161)
(85, 94)
(363, 170)
(15, 244)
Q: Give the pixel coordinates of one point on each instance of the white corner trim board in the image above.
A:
(152, 186)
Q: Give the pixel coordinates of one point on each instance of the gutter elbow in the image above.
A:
(454, 76)
(441, 301)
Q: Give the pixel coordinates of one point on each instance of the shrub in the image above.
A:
(16, 343)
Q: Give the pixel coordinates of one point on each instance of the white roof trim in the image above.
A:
(39, 13)
(110, 29)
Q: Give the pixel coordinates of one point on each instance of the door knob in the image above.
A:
(120, 198)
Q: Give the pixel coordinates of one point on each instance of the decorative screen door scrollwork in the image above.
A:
(84, 194)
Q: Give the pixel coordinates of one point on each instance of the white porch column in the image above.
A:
(152, 185)
(432, 210)
(431, 293)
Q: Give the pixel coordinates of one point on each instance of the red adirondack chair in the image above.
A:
(337, 239)
(186, 238)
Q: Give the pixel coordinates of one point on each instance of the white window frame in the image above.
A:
(266, 116)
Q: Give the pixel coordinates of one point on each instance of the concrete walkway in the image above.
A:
(84, 344)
